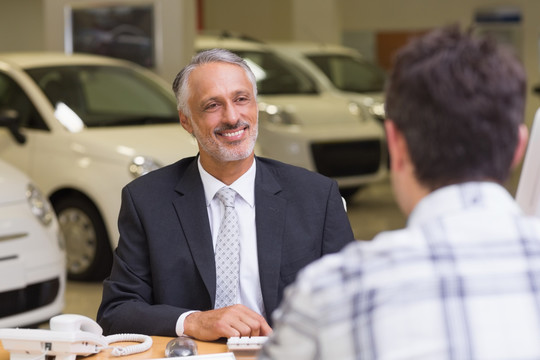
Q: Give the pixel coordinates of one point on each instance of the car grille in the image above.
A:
(31, 297)
(347, 158)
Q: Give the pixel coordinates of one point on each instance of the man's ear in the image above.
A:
(519, 152)
(184, 121)
(397, 146)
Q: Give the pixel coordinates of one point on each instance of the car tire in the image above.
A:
(89, 254)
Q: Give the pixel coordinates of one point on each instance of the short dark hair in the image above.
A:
(180, 83)
(459, 99)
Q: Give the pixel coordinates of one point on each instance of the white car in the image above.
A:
(304, 124)
(82, 127)
(340, 70)
(32, 257)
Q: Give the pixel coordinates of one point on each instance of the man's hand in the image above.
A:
(235, 320)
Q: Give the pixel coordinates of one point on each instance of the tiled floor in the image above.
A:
(83, 298)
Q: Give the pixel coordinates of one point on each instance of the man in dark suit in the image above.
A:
(164, 278)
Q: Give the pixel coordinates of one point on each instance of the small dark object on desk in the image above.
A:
(181, 346)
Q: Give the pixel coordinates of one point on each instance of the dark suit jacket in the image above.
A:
(164, 262)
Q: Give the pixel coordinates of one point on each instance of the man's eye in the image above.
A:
(211, 106)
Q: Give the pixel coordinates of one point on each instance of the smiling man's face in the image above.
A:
(223, 112)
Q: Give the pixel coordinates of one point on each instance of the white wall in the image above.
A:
(261, 19)
(275, 19)
(174, 28)
(21, 25)
(34, 25)
(316, 20)
(374, 15)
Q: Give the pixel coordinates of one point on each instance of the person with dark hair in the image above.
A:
(208, 244)
(461, 280)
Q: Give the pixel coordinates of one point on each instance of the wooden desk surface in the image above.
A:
(155, 352)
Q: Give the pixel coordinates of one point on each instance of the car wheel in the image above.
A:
(89, 255)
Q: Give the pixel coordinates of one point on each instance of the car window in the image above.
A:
(107, 95)
(350, 74)
(275, 76)
(12, 96)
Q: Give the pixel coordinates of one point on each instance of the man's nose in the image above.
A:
(232, 114)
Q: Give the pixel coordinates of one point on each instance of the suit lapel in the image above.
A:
(193, 216)
(270, 222)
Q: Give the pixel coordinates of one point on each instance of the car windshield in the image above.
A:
(276, 76)
(348, 73)
(106, 95)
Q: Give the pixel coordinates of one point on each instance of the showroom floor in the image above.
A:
(370, 211)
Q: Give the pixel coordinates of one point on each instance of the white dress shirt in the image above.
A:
(250, 293)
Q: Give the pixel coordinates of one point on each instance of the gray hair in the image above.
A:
(180, 83)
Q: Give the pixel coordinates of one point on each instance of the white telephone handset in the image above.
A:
(70, 335)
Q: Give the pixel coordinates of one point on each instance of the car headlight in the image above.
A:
(276, 115)
(141, 165)
(358, 110)
(354, 108)
(39, 205)
(377, 111)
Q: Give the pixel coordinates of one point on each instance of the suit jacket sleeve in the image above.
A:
(128, 304)
(164, 264)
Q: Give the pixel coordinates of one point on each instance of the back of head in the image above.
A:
(459, 100)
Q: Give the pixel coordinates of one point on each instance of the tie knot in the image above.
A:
(226, 196)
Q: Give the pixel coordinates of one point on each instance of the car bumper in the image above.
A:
(33, 283)
(350, 154)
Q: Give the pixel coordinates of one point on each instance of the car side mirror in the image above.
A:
(9, 118)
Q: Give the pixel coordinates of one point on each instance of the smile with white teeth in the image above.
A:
(236, 133)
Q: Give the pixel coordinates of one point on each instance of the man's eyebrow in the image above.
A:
(207, 100)
(243, 92)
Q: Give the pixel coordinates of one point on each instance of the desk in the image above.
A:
(156, 351)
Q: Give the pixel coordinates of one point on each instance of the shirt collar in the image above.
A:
(459, 197)
(244, 185)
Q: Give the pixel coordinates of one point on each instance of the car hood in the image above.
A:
(366, 99)
(375, 97)
(165, 143)
(13, 184)
(313, 109)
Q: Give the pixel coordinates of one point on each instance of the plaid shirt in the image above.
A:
(461, 281)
